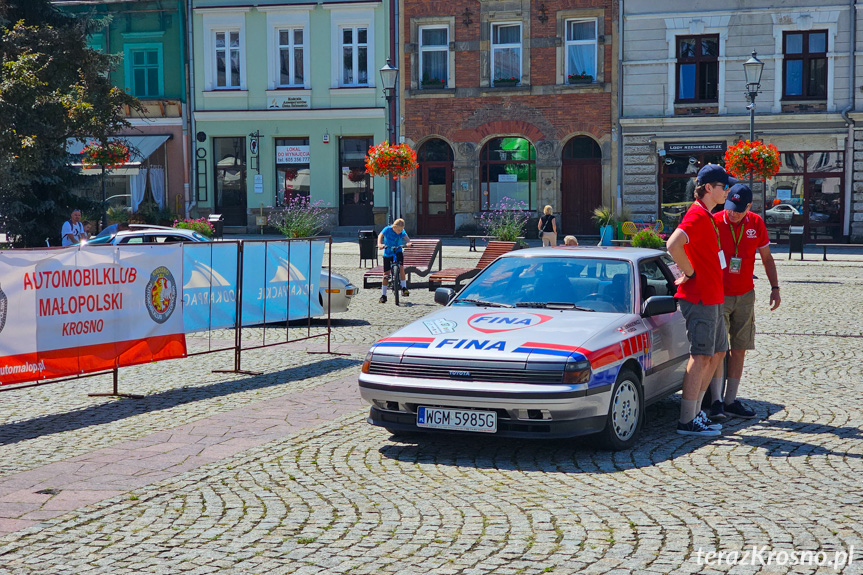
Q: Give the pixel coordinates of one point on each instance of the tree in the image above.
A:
(52, 87)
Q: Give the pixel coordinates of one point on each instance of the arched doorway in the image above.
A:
(434, 189)
(507, 171)
(581, 185)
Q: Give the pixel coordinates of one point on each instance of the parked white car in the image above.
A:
(781, 213)
(545, 342)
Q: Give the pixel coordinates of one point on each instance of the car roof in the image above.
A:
(599, 252)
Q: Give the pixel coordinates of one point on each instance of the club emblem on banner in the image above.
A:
(161, 295)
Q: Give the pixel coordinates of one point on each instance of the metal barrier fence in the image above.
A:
(233, 321)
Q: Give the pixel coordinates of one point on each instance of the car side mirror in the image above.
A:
(443, 295)
(659, 305)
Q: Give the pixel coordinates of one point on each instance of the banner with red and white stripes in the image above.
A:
(85, 309)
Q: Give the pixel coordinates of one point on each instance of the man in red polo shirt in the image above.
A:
(695, 248)
(741, 233)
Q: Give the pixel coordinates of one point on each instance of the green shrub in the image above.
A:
(648, 239)
(201, 225)
(505, 221)
(117, 215)
(300, 218)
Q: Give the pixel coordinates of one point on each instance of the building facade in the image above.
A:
(684, 102)
(287, 102)
(151, 36)
(507, 100)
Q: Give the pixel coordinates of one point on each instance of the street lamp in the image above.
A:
(389, 76)
(752, 68)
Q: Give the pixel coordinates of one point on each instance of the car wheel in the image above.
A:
(625, 412)
(769, 219)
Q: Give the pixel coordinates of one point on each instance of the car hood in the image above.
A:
(478, 333)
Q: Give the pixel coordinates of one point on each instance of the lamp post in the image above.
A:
(389, 76)
(752, 68)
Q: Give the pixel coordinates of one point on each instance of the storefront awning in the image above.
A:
(141, 148)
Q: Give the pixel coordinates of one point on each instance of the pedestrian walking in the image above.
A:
(696, 249)
(742, 234)
(72, 229)
(547, 227)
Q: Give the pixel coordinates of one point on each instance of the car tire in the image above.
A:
(769, 219)
(625, 412)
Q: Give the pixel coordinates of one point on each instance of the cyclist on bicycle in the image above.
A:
(392, 239)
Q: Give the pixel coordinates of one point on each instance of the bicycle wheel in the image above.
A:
(396, 286)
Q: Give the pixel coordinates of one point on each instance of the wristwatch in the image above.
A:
(774, 287)
(690, 276)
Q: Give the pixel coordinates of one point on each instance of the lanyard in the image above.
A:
(715, 227)
(735, 236)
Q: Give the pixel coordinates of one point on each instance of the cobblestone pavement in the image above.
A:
(279, 473)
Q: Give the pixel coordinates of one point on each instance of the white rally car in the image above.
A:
(546, 342)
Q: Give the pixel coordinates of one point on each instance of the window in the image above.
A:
(144, 71)
(505, 54)
(697, 68)
(581, 50)
(227, 53)
(508, 170)
(291, 71)
(805, 65)
(434, 57)
(355, 59)
(677, 174)
(293, 175)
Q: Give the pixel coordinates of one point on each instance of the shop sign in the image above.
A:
(292, 154)
(289, 103)
(507, 177)
(694, 147)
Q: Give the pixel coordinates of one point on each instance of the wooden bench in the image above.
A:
(455, 276)
(473, 239)
(418, 260)
(825, 246)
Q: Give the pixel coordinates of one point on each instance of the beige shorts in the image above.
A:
(549, 239)
(739, 313)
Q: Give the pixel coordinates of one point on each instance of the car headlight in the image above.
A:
(577, 371)
(367, 361)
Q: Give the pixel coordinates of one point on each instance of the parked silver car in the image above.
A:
(342, 290)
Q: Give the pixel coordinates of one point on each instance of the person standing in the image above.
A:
(547, 227)
(72, 229)
(742, 233)
(696, 249)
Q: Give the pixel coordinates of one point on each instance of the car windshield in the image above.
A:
(590, 284)
(96, 240)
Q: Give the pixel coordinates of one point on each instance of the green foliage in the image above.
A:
(201, 225)
(300, 218)
(117, 215)
(603, 216)
(648, 239)
(52, 87)
(150, 213)
(506, 220)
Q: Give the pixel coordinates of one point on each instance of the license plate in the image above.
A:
(458, 419)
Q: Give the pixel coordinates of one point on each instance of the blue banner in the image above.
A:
(209, 286)
(278, 278)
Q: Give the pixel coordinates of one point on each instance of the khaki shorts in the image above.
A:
(739, 311)
(705, 328)
(549, 239)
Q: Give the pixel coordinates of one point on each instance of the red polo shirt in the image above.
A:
(751, 234)
(703, 252)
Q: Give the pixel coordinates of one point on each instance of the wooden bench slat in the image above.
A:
(418, 260)
(492, 251)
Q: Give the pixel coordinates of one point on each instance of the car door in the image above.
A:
(669, 349)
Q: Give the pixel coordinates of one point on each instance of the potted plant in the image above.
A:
(752, 159)
(357, 175)
(429, 82)
(397, 161)
(299, 218)
(201, 225)
(582, 78)
(501, 82)
(604, 217)
(111, 155)
(505, 221)
(648, 238)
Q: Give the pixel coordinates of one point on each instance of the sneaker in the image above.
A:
(383, 299)
(405, 292)
(737, 409)
(695, 427)
(705, 421)
(717, 411)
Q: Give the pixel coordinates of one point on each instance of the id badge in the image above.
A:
(735, 265)
(722, 264)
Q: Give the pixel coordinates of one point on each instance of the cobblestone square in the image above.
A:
(280, 473)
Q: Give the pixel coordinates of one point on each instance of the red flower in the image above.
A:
(398, 161)
(753, 158)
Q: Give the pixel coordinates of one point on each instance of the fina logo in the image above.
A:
(495, 322)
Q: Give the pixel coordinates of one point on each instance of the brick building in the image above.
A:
(507, 98)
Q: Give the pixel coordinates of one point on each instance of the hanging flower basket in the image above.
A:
(357, 175)
(290, 174)
(398, 161)
(754, 158)
(112, 155)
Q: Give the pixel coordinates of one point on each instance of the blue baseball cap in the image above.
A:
(739, 196)
(714, 173)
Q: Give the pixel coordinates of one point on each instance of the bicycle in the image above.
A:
(395, 272)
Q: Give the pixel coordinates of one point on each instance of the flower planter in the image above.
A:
(606, 234)
(433, 85)
(584, 80)
(505, 83)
